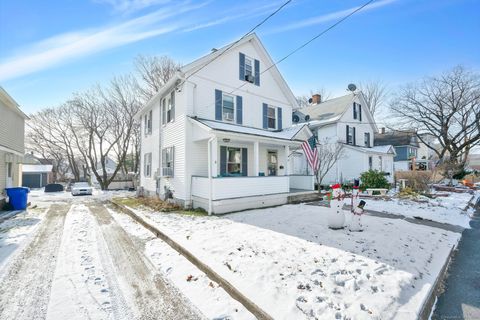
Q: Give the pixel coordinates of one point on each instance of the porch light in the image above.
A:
(226, 140)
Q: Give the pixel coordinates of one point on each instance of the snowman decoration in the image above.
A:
(336, 216)
(357, 208)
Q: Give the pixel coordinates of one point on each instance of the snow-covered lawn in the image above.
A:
(293, 266)
(442, 209)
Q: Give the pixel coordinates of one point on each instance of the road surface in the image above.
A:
(80, 264)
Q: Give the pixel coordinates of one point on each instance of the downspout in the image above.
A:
(210, 180)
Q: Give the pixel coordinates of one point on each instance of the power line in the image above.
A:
(312, 39)
(245, 35)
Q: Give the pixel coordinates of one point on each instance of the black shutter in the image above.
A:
(223, 161)
(257, 72)
(347, 134)
(354, 110)
(242, 66)
(360, 112)
(218, 104)
(239, 110)
(265, 119)
(244, 162)
(354, 138)
(279, 125)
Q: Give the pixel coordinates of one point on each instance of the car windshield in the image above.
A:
(81, 185)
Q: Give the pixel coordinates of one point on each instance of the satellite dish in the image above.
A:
(310, 100)
(307, 117)
(296, 118)
(352, 87)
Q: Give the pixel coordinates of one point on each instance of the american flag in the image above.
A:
(310, 149)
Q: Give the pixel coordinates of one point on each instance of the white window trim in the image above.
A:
(234, 118)
(165, 106)
(168, 171)
(276, 117)
(252, 61)
(350, 134)
(147, 166)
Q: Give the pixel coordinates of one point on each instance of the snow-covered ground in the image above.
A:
(442, 209)
(293, 266)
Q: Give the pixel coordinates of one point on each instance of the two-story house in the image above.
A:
(346, 120)
(406, 146)
(219, 134)
(12, 143)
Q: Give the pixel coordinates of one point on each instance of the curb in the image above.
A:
(227, 286)
(435, 291)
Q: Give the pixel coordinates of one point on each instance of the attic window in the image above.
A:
(249, 69)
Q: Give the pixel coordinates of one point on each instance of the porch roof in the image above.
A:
(291, 134)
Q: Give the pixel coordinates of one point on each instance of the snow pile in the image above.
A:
(294, 267)
(206, 295)
(442, 209)
(15, 231)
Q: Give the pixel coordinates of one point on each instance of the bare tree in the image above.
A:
(447, 107)
(49, 136)
(103, 125)
(374, 93)
(154, 72)
(302, 100)
(328, 155)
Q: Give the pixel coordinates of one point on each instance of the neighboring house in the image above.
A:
(473, 162)
(36, 172)
(406, 147)
(426, 157)
(210, 146)
(12, 144)
(348, 121)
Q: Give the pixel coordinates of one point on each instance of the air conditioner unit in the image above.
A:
(250, 78)
(229, 116)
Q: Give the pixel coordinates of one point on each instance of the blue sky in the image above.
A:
(50, 49)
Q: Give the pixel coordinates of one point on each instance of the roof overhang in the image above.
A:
(11, 103)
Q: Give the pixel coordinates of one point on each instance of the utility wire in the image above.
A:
(245, 35)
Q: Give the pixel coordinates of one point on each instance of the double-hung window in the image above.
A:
(350, 135)
(168, 155)
(367, 139)
(234, 161)
(147, 164)
(248, 67)
(228, 107)
(271, 118)
(168, 108)
(148, 123)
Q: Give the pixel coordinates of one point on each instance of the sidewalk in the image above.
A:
(461, 299)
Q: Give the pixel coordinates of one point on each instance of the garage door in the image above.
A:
(31, 180)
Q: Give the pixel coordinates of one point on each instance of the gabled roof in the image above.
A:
(285, 134)
(11, 103)
(196, 64)
(388, 149)
(396, 138)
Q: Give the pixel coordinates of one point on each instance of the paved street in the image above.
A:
(80, 264)
(461, 299)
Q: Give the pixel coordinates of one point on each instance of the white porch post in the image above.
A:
(256, 158)
(287, 158)
(212, 169)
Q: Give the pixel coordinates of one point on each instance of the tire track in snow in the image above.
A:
(25, 286)
(148, 293)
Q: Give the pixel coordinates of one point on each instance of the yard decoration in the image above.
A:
(357, 208)
(336, 216)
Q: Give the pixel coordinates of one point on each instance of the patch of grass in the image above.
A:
(158, 205)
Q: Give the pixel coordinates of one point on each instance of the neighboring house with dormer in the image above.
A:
(348, 121)
(12, 142)
(219, 135)
(406, 146)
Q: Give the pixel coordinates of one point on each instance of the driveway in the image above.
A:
(80, 264)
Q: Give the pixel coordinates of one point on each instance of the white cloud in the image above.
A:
(65, 47)
(130, 6)
(329, 17)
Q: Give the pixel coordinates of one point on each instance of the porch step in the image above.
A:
(304, 197)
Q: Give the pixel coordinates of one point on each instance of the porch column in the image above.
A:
(287, 158)
(256, 158)
(214, 157)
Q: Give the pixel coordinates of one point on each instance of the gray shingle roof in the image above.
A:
(396, 138)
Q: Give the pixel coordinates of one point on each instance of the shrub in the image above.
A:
(418, 181)
(373, 179)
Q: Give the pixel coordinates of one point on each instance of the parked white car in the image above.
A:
(79, 188)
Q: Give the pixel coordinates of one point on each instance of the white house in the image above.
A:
(348, 121)
(219, 134)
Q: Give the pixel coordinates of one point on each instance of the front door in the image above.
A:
(9, 175)
(272, 163)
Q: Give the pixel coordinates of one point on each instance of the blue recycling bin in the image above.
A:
(18, 197)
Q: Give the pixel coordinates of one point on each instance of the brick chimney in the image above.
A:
(316, 98)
